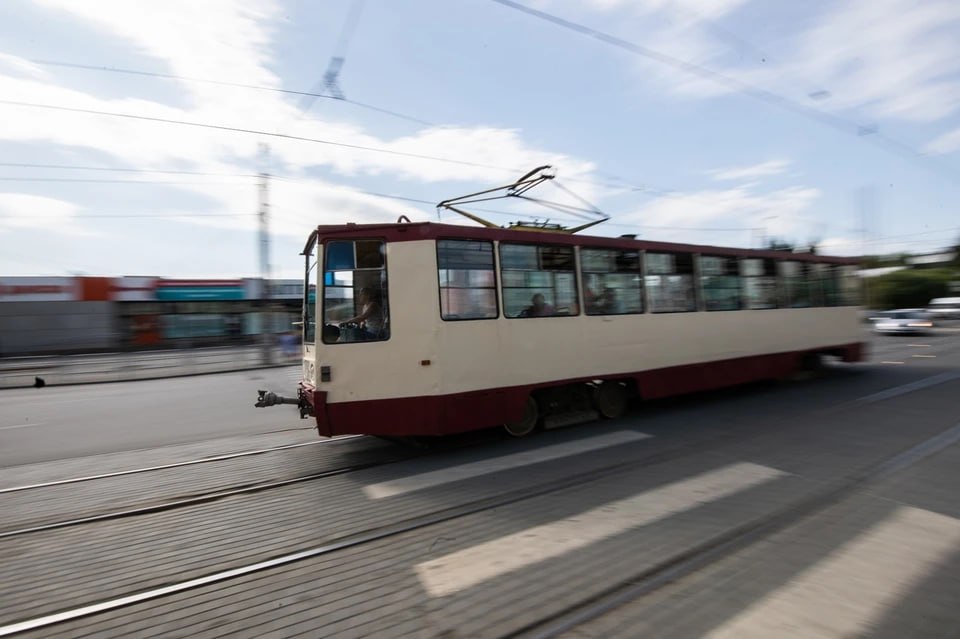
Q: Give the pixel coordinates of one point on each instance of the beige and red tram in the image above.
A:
(431, 329)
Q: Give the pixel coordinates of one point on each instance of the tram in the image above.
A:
(419, 329)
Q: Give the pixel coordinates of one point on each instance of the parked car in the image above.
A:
(905, 321)
(944, 308)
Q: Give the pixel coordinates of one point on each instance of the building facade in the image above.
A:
(86, 314)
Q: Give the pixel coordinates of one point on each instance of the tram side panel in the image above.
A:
(435, 377)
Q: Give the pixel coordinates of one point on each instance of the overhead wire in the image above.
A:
(76, 167)
(233, 129)
(758, 93)
(285, 136)
(226, 83)
(8, 178)
(332, 74)
(306, 179)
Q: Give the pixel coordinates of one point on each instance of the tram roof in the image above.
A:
(412, 231)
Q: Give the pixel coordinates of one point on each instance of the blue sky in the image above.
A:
(730, 120)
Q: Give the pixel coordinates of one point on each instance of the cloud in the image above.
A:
(770, 167)
(230, 41)
(27, 211)
(883, 58)
(735, 215)
(894, 58)
(946, 143)
(684, 8)
(21, 66)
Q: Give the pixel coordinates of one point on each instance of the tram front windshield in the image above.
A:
(355, 301)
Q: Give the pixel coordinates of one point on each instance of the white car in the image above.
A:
(905, 321)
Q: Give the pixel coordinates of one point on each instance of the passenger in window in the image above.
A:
(371, 314)
(538, 307)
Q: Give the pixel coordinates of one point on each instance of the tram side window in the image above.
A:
(759, 282)
(467, 280)
(538, 281)
(669, 282)
(851, 287)
(720, 282)
(611, 281)
(801, 288)
(355, 304)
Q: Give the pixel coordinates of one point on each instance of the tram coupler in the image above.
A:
(269, 398)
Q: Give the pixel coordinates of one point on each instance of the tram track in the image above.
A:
(187, 500)
(687, 563)
(665, 571)
(676, 451)
(191, 462)
(201, 498)
(369, 536)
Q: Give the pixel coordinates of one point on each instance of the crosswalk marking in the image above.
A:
(471, 566)
(506, 462)
(841, 595)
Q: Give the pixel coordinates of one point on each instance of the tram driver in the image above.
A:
(371, 315)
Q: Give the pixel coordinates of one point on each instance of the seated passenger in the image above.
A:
(371, 314)
(538, 307)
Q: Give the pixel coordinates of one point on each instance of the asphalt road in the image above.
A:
(63, 422)
(38, 425)
(817, 508)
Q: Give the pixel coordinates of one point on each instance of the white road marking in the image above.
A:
(891, 362)
(466, 568)
(24, 425)
(920, 345)
(927, 356)
(488, 466)
(843, 594)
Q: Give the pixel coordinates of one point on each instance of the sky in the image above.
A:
(133, 134)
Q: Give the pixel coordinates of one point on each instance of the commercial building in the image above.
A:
(84, 314)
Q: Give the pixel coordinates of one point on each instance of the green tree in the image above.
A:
(910, 288)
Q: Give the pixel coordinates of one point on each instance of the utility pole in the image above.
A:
(266, 341)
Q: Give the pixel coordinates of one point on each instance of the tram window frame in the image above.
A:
(365, 261)
(664, 275)
(623, 266)
(850, 285)
(548, 260)
(717, 276)
(493, 288)
(309, 311)
(766, 276)
(798, 281)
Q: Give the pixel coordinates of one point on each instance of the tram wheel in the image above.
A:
(526, 424)
(611, 399)
(811, 366)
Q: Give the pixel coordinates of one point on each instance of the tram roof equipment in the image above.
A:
(519, 189)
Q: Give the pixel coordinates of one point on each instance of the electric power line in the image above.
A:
(238, 85)
(6, 178)
(285, 136)
(764, 95)
(83, 216)
(76, 167)
(220, 127)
